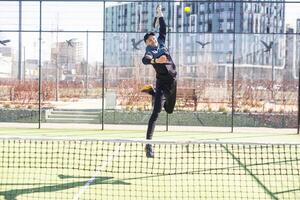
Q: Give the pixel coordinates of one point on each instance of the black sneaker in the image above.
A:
(149, 151)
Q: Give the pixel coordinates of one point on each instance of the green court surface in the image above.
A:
(78, 164)
(174, 133)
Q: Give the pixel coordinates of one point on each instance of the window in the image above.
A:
(209, 26)
(209, 16)
(245, 6)
(221, 24)
(229, 25)
(230, 15)
(201, 18)
(193, 23)
(202, 8)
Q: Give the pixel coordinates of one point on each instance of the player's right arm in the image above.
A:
(148, 59)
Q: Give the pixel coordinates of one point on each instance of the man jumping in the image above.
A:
(159, 57)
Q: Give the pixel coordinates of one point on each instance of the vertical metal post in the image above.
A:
(233, 62)
(20, 43)
(56, 65)
(103, 82)
(298, 99)
(168, 27)
(40, 65)
(24, 62)
(87, 63)
(56, 77)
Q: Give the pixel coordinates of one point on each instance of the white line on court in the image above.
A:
(98, 170)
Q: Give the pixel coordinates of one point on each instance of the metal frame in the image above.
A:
(104, 31)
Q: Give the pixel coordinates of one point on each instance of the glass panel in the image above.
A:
(72, 16)
(125, 75)
(9, 15)
(206, 17)
(265, 80)
(31, 16)
(200, 40)
(137, 16)
(19, 98)
(256, 17)
(204, 64)
(72, 77)
(292, 17)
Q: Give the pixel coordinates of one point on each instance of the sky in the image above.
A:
(71, 16)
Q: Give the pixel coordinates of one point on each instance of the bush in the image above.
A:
(270, 110)
(222, 109)
(246, 110)
(281, 111)
(7, 105)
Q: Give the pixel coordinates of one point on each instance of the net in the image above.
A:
(119, 169)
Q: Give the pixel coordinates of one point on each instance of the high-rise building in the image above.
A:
(66, 55)
(6, 64)
(208, 22)
(289, 55)
(298, 26)
(67, 58)
(6, 51)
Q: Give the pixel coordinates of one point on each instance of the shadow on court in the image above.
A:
(14, 193)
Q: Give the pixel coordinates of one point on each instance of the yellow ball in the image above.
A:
(187, 9)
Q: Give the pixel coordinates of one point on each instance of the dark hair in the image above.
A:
(147, 35)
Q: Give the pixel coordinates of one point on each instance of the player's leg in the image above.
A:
(152, 121)
(149, 151)
(154, 116)
(170, 94)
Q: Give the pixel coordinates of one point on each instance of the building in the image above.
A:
(6, 64)
(290, 48)
(67, 58)
(6, 51)
(31, 69)
(208, 22)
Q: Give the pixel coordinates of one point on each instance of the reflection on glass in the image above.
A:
(266, 79)
(204, 63)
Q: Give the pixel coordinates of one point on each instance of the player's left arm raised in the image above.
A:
(162, 25)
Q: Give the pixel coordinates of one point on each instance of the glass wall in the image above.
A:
(125, 75)
(80, 62)
(203, 61)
